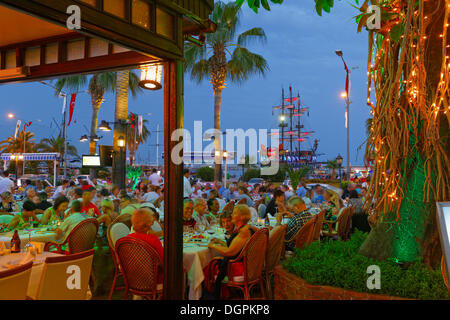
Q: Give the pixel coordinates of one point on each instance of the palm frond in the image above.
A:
(106, 80)
(71, 83)
(244, 63)
(252, 35)
(134, 84)
(192, 54)
(200, 70)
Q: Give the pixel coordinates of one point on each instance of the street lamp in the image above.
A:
(339, 162)
(104, 126)
(121, 144)
(85, 138)
(345, 95)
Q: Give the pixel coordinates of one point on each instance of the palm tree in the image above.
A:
(125, 81)
(16, 144)
(98, 84)
(23, 143)
(133, 137)
(210, 61)
(296, 175)
(56, 145)
(333, 165)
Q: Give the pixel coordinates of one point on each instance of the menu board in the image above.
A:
(91, 161)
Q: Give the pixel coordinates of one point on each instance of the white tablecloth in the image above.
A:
(36, 270)
(195, 258)
(36, 235)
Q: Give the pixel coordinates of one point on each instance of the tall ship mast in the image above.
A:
(289, 119)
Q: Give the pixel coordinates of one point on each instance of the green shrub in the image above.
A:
(338, 264)
(252, 173)
(280, 176)
(205, 173)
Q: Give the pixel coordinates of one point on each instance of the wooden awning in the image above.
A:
(35, 42)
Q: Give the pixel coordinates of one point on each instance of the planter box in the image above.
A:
(291, 287)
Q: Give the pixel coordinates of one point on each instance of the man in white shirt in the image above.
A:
(155, 178)
(197, 193)
(187, 184)
(153, 195)
(200, 212)
(71, 221)
(6, 184)
(61, 190)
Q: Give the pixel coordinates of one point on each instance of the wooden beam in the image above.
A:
(173, 186)
(118, 61)
(101, 25)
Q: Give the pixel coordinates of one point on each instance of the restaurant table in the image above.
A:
(196, 256)
(36, 270)
(39, 234)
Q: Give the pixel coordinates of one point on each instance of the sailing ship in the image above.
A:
(289, 118)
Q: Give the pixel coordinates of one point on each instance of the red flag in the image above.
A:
(27, 124)
(346, 79)
(71, 107)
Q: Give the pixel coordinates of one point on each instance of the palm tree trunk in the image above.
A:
(217, 103)
(415, 235)
(120, 114)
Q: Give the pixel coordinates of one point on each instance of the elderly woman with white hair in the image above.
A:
(240, 217)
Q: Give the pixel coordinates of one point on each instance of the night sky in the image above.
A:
(300, 51)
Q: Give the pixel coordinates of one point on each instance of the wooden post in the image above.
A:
(173, 183)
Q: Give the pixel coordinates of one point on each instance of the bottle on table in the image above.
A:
(15, 242)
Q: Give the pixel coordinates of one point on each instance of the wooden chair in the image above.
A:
(318, 225)
(115, 232)
(14, 282)
(274, 252)
(342, 225)
(253, 256)
(140, 265)
(304, 235)
(59, 277)
(80, 239)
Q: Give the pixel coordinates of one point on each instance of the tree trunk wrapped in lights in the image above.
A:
(409, 66)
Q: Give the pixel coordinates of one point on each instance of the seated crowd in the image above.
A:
(237, 208)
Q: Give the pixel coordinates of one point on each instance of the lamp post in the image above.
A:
(122, 170)
(346, 95)
(339, 162)
(119, 167)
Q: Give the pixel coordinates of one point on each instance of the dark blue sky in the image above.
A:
(300, 51)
